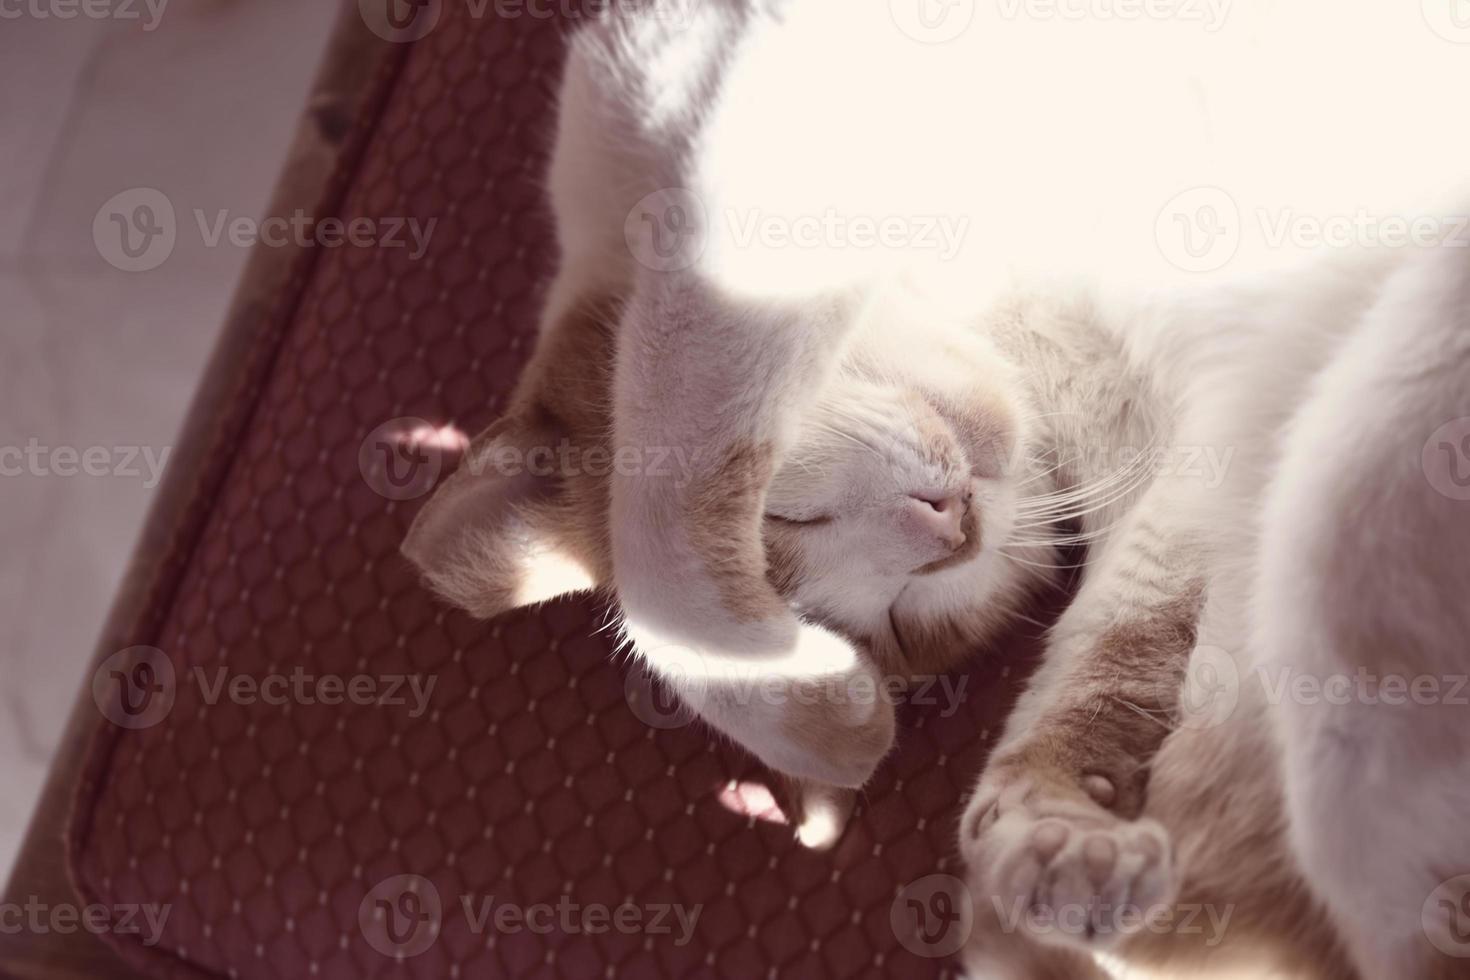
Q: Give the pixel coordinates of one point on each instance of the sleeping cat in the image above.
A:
(873, 481)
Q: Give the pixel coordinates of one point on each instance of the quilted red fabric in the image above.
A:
(290, 837)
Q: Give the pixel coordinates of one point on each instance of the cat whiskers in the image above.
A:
(1045, 415)
(1051, 502)
(1160, 717)
(1052, 510)
(1064, 540)
(851, 438)
(1071, 503)
(1041, 564)
(1043, 474)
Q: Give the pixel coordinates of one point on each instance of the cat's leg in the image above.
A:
(1242, 899)
(715, 384)
(1242, 908)
(495, 537)
(686, 396)
(1363, 620)
(1052, 835)
(523, 519)
(995, 952)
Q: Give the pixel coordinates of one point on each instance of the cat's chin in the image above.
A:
(941, 620)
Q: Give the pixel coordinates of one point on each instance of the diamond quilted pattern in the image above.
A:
(268, 828)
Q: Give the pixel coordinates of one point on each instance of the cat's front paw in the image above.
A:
(1058, 866)
(834, 729)
(820, 711)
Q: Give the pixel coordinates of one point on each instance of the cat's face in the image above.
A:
(889, 517)
(879, 482)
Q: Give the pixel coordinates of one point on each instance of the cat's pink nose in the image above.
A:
(942, 514)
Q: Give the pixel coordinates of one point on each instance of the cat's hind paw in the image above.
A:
(1062, 869)
(819, 813)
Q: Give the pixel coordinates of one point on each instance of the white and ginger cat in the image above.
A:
(872, 482)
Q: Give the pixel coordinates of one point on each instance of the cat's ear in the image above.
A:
(508, 528)
(524, 518)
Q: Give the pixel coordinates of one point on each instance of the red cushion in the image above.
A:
(266, 828)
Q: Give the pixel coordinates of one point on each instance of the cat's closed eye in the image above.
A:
(816, 521)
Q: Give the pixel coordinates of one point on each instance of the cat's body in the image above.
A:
(873, 483)
(1324, 550)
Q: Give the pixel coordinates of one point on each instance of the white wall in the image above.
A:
(201, 108)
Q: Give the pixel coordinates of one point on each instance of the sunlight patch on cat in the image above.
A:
(548, 572)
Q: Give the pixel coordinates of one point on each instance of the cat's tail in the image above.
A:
(1363, 620)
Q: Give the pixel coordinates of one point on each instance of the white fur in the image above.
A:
(1058, 146)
